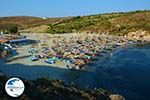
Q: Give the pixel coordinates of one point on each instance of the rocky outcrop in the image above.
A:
(116, 97)
(45, 89)
(4, 52)
(139, 35)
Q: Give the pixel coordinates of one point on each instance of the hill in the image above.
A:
(113, 23)
(24, 22)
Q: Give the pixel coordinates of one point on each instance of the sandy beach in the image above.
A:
(72, 50)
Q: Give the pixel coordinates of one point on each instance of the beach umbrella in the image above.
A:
(66, 54)
(79, 62)
(71, 56)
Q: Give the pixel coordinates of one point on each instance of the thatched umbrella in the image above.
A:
(66, 54)
(71, 56)
(79, 62)
(52, 53)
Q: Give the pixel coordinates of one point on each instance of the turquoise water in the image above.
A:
(126, 72)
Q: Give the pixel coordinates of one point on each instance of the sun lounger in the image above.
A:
(34, 58)
(50, 61)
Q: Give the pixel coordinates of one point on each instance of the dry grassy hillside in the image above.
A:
(112, 23)
(27, 22)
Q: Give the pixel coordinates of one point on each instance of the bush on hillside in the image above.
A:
(13, 29)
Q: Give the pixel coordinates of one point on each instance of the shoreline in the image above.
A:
(110, 43)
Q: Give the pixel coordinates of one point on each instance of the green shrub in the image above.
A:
(13, 29)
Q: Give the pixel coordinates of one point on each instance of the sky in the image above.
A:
(62, 8)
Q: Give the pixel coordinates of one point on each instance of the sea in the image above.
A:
(125, 72)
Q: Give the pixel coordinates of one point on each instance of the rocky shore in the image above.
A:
(44, 89)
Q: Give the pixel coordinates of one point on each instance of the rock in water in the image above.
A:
(1, 74)
(116, 97)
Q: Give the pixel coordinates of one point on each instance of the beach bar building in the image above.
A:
(14, 40)
(19, 41)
